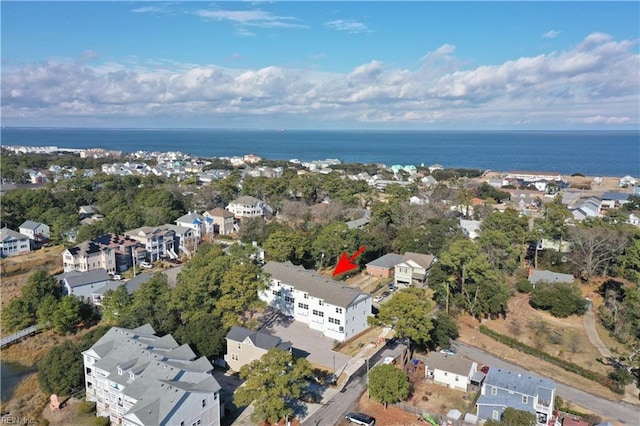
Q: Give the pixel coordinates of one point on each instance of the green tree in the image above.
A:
(116, 305)
(388, 384)
(561, 299)
(252, 229)
(39, 284)
(67, 315)
(409, 312)
(47, 309)
(513, 417)
(151, 305)
(286, 245)
(205, 334)
(17, 315)
(444, 330)
(331, 241)
(198, 283)
(61, 369)
(273, 383)
(239, 294)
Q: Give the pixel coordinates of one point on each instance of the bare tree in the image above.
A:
(594, 248)
(295, 213)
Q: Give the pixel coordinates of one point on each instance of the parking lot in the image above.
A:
(315, 347)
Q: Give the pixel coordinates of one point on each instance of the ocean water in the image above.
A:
(594, 153)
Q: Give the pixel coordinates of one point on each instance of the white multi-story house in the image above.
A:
(194, 221)
(248, 206)
(88, 256)
(337, 310)
(414, 269)
(159, 241)
(36, 231)
(219, 221)
(137, 378)
(12, 242)
(503, 388)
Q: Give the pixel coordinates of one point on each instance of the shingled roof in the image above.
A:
(309, 281)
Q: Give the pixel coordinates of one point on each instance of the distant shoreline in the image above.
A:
(592, 153)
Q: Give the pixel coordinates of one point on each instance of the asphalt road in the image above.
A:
(333, 412)
(619, 411)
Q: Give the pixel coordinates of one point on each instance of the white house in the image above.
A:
(194, 221)
(414, 269)
(36, 231)
(88, 256)
(137, 378)
(338, 311)
(452, 371)
(248, 206)
(159, 241)
(83, 284)
(12, 242)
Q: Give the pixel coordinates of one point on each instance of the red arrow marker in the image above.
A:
(346, 264)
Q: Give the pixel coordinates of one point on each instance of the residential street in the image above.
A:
(615, 411)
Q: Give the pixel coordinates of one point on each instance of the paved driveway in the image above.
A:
(316, 348)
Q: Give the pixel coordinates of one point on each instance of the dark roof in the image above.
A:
(259, 339)
(527, 384)
(89, 277)
(387, 261)
(309, 281)
(86, 248)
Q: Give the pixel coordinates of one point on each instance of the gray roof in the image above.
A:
(309, 281)
(246, 200)
(7, 234)
(30, 224)
(130, 285)
(387, 261)
(536, 276)
(358, 223)
(618, 196)
(191, 217)
(261, 340)
(451, 363)
(88, 277)
(424, 260)
(164, 373)
(526, 384)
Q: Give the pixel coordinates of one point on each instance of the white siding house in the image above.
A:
(338, 311)
(12, 242)
(137, 378)
(452, 371)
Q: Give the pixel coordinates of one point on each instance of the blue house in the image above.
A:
(503, 388)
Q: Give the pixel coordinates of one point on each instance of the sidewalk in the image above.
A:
(331, 391)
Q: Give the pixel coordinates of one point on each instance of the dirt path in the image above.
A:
(592, 333)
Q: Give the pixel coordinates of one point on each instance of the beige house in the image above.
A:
(413, 269)
(89, 256)
(244, 346)
(219, 221)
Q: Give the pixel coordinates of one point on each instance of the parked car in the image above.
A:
(447, 351)
(378, 298)
(146, 265)
(392, 288)
(485, 369)
(385, 294)
(117, 277)
(360, 419)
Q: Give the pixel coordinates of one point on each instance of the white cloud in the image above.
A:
(592, 84)
(256, 18)
(348, 25)
(551, 34)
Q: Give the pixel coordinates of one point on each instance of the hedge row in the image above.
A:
(566, 365)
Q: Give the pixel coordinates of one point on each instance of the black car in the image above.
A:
(360, 419)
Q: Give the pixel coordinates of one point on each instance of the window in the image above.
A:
(318, 313)
(306, 295)
(334, 321)
(276, 293)
(234, 357)
(494, 390)
(119, 371)
(320, 302)
(239, 345)
(525, 399)
(303, 306)
(289, 299)
(204, 403)
(495, 415)
(338, 310)
(131, 375)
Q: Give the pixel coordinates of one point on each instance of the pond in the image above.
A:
(11, 374)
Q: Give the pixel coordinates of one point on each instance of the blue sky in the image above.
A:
(321, 65)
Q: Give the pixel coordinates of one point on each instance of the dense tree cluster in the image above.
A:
(388, 384)
(560, 299)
